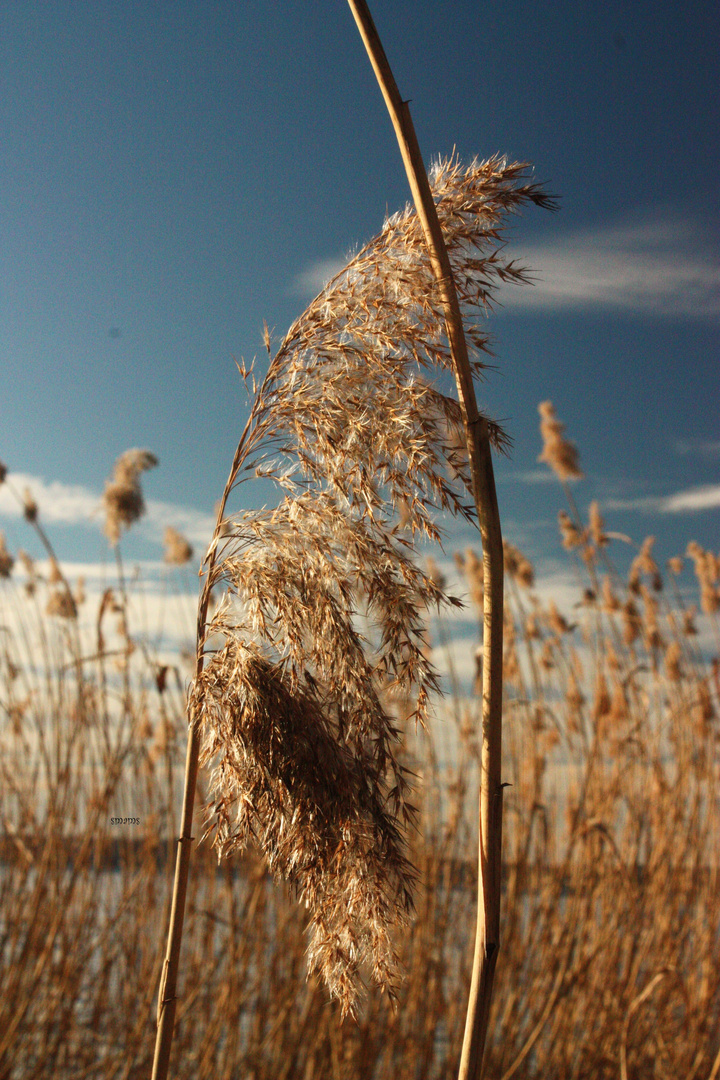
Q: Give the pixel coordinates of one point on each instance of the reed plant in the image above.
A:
(365, 449)
(312, 711)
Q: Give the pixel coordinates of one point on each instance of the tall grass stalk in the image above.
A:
(487, 934)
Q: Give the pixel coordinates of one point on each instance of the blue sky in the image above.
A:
(172, 174)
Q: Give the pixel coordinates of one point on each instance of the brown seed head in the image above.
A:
(517, 566)
(61, 604)
(689, 628)
(573, 694)
(571, 536)
(707, 573)
(597, 526)
(610, 600)
(632, 623)
(673, 655)
(644, 563)
(6, 560)
(557, 622)
(602, 703)
(123, 498)
(350, 428)
(559, 453)
(177, 550)
(30, 507)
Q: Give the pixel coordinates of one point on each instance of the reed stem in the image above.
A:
(490, 831)
(167, 997)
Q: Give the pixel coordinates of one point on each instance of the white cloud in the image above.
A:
(531, 476)
(315, 276)
(67, 504)
(704, 497)
(162, 604)
(659, 264)
(662, 265)
(71, 504)
(194, 525)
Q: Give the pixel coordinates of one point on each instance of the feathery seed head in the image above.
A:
(322, 623)
(597, 526)
(673, 667)
(30, 507)
(61, 604)
(707, 574)
(558, 452)
(571, 535)
(6, 560)
(123, 498)
(177, 550)
(517, 566)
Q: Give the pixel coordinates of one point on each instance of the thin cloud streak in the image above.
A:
(704, 448)
(530, 476)
(310, 281)
(194, 525)
(660, 266)
(66, 504)
(704, 497)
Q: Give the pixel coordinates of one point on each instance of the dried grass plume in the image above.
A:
(123, 498)
(558, 452)
(295, 694)
(177, 549)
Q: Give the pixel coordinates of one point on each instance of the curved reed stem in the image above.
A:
(167, 998)
(490, 833)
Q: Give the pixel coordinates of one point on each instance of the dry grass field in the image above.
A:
(611, 918)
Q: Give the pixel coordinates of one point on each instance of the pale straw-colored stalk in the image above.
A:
(487, 932)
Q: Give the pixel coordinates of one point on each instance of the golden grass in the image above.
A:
(611, 922)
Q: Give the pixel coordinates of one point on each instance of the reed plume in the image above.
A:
(123, 498)
(349, 426)
(177, 549)
(558, 452)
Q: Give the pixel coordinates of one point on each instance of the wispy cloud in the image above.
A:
(315, 276)
(659, 264)
(193, 524)
(71, 504)
(529, 476)
(662, 265)
(703, 497)
(162, 603)
(704, 448)
(67, 504)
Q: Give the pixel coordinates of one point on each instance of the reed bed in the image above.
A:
(611, 922)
